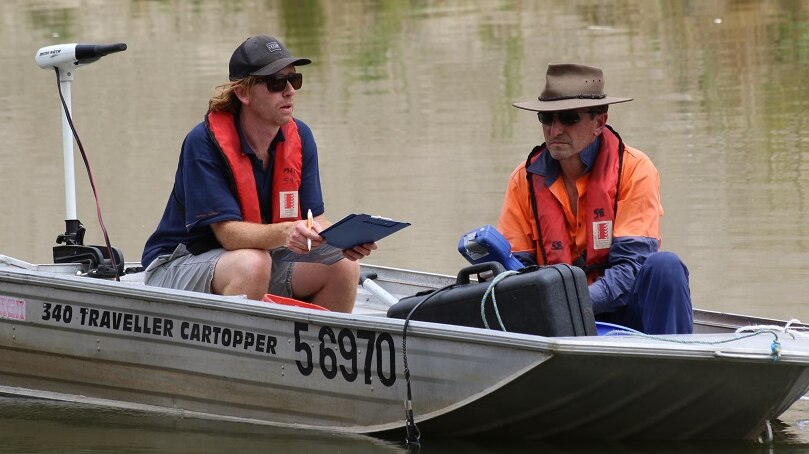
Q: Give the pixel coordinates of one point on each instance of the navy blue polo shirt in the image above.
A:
(202, 196)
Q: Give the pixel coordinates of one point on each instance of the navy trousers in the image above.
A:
(660, 302)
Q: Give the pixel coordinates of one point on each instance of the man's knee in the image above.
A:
(242, 271)
(351, 269)
(345, 273)
(666, 265)
(250, 263)
(664, 296)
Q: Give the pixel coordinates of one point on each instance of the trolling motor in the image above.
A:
(101, 261)
(486, 244)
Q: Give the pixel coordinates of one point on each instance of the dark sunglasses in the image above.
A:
(566, 117)
(278, 83)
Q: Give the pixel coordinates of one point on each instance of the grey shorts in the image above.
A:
(184, 271)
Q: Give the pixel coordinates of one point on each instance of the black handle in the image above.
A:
(87, 53)
(494, 267)
(367, 275)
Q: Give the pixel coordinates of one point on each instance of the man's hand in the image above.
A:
(300, 233)
(359, 251)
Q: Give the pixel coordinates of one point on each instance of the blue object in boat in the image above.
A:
(604, 328)
(486, 244)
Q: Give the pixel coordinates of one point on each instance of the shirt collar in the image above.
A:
(549, 168)
(279, 137)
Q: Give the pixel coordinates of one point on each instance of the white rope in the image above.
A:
(794, 332)
(490, 289)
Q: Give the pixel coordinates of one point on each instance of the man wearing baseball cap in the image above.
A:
(246, 176)
(586, 198)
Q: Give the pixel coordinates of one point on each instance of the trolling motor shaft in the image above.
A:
(100, 261)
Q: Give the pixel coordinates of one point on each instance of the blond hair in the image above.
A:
(225, 99)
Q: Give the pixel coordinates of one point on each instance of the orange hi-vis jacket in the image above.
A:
(287, 165)
(618, 197)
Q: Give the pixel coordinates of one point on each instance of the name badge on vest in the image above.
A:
(288, 204)
(602, 234)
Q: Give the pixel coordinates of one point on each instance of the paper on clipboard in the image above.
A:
(356, 229)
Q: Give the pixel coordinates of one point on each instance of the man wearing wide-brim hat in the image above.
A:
(584, 197)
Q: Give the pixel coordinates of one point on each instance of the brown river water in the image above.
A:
(410, 103)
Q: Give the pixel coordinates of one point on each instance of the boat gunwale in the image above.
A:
(639, 346)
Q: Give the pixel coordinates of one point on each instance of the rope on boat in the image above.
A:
(775, 346)
(794, 332)
(490, 289)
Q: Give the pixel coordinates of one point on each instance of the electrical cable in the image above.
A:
(413, 440)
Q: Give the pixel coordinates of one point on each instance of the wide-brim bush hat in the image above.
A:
(571, 86)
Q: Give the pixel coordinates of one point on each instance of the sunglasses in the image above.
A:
(276, 83)
(566, 117)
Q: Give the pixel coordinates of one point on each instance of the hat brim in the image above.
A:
(280, 64)
(567, 104)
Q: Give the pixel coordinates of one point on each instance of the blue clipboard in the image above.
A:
(356, 229)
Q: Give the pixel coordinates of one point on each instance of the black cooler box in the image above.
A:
(548, 301)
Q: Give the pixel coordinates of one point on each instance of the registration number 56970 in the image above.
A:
(347, 353)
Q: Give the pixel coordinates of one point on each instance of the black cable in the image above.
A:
(89, 175)
(413, 434)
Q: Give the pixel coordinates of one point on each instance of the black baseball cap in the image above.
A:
(261, 55)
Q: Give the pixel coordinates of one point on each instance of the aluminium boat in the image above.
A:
(67, 336)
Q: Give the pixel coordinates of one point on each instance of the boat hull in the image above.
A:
(661, 400)
(187, 354)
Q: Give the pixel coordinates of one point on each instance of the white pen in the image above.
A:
(309, 223)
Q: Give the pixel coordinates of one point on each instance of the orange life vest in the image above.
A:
(286, 175)
(600, 201)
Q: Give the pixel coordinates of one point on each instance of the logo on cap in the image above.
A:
(273, 46)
